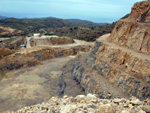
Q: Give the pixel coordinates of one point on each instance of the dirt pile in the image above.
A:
(50, 41)
(89, 104)
(4, 52)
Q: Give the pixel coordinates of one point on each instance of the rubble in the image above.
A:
(89, 103)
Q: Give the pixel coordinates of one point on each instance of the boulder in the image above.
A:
(146, 108)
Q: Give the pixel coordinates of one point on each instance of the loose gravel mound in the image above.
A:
(89, 104)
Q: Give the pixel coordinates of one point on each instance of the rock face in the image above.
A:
(88, 104)
(140, 12)
(133, 32)
(119, 63)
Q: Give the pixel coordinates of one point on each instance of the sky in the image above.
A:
(92, 10)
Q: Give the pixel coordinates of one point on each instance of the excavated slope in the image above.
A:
(119, 63)
(116, 67)
(133, 32)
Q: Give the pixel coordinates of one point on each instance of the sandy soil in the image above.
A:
(31, 86)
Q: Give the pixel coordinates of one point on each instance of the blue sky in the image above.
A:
(93, 10)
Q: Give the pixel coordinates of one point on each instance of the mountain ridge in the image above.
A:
(69, 19)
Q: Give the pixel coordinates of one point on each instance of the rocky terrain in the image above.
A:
(32, 56)
(89, 104)
(33, 85)
(115, 70)
(33, 75)
(133, 32)
(120, 58)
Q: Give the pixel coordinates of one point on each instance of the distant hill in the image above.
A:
(83, 33)
(3, 17)
(85, 21)
(74, 28)
(35, 24)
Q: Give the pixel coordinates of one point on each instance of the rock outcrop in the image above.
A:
(119, 63)
(89, 104)
(133, 32)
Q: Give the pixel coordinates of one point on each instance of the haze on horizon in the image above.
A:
(92, 10)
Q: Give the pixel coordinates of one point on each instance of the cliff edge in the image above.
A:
(133, 32)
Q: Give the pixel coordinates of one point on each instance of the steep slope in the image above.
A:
(120, 58)
(133, 32)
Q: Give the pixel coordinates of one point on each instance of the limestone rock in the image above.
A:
(146, 108)
(68, 109)
(140, 12)
(125, 111)
(91, 97)
(107, 108)
(73, 106)
(119, 100)
(133, 32)
(141, 111)
(135, 101)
